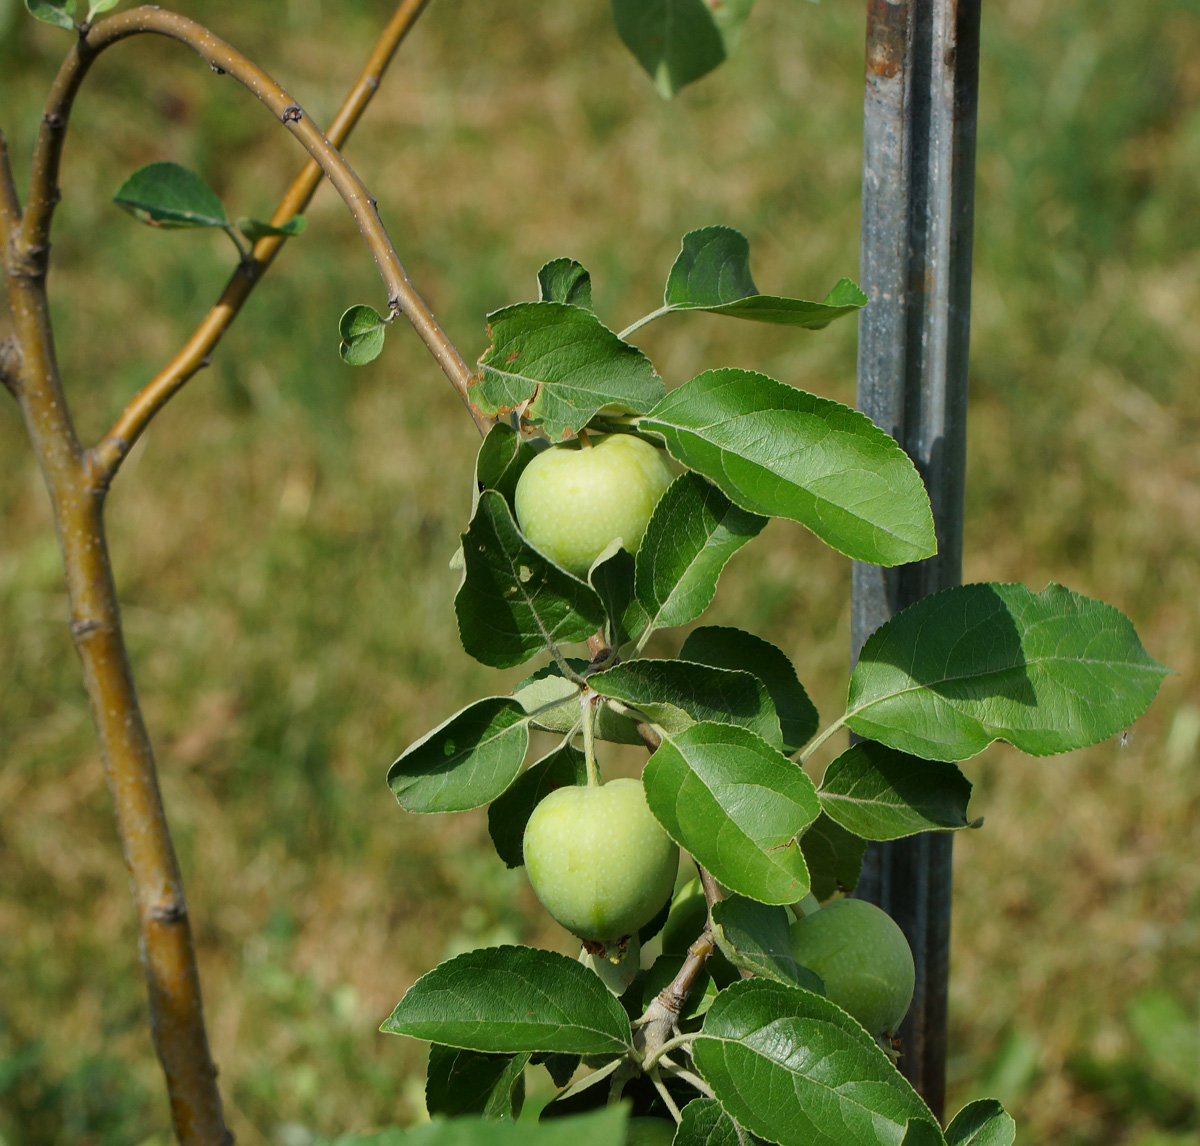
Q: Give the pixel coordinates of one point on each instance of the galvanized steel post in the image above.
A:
(922, 79)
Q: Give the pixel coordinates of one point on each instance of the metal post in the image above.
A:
(922, 80)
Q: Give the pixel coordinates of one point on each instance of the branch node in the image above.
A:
(292, 114)
(172, 910)
(393, 309)
(218, 69)
(29, 262)
(54, 121)
(10, 366)
(83, 627)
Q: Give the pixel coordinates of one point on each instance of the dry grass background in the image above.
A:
(281, 536)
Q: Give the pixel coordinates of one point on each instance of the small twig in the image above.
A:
(10, 203)
(10, 366)
(665, 1094)
(685, 1075)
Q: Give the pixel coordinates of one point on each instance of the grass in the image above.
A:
(281, 536)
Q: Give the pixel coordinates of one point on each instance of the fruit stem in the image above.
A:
(587, 703)
(584, 440)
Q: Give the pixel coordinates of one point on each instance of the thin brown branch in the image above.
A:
(10, 204)
(195, 354)
(10, 366)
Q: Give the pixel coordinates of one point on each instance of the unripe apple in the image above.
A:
(572, 501)
(598, 860)
(863, 958)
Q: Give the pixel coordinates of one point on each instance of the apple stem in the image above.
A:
(584, 440)
(587, 702)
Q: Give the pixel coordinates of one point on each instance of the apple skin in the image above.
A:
(598, 860)
(572, 501)
(863, 958)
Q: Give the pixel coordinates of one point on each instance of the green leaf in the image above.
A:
(60, 13)
(466, 1082)
(465, 762)
(604, 1127)
(167, 195)
(736, 804)
(881, 794)
(834, 856)
(565, 360)
(255, 229)
(982, 1123)
(784, 453)
(755, 937)
(920, 1132)
(678, 41)
(515, 602)
(507, 1000)
(362, 329)
(565, 280)
(612, 577)
(501, 461)
(791, 1066)
(99, 6)
(736, 649)
(539, 692)
(694, 531)
(560, 1067)
(509, 814)
(662, 973)
(712, 273)
(1048, 672)
(676, 694)
(706, 1123)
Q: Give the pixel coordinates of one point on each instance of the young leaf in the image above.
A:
(736, 804)
(982, 1123)
(465, 762)
(98, 6)
(675, 694)
(465, 1082)
(694, 531)
(706, 1123)
(1048, 672)
(567, 361)
(612, 576)
(881, 794)
(755, 937)
(736, 649)
(678, 41)
(511, 999)
(778, 451)
(60, 13)
(565, 280)
(834, 856)
(509, 814)
(791, 1066)
(514, 602)
(362, 329)
(712, 273)
(167, 195)
(255, 229)
(540, 692)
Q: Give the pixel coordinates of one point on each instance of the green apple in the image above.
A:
(572, 501)
(863, 958)
(598, 860)
(649, 1132)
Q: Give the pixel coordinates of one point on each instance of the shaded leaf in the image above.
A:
(834, 856)
(565, 280)
(921, 1132)
(501, 461)
(663, 972)
(706, 1123)
(612, 576)
(362, 329)
(465, 762)
(556, 702)
(756, 937)
(255, 229)
(1048, 672)
(778, 451)
(466, 1082)
(513, 999)
(736, 649)
(736, 804)
(567, 361)
(982, 1123)
(98, 6)
(167, 195)
(515, 602)
(60, 13)
(509, 814)
(881, 794)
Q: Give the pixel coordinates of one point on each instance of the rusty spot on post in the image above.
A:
(887, 35)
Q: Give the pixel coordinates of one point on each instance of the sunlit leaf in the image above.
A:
(362, 329)
(168, 195)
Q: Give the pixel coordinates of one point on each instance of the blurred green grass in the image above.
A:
(281, 535)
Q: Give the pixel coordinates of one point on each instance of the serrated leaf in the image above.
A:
(511, 999)
(791, 1066)
(462, 1082)
(565, 360)
(676, 694)
(509, 814)
(515, 602)
(678, 41)
(881, 794)
(778, 451)
(362, 329)
(982, 1123)
(465, 762)
(540, 692)
(736, 649)
(255, 229)
(834, 857)
(60, 13)
(1048, 672)
(712, 273)
(170, 196)
(921, 1132)
(706, 1123)
(612, 576)
(736, 804)
(755, 937)
(694, 531)
(565, 280)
